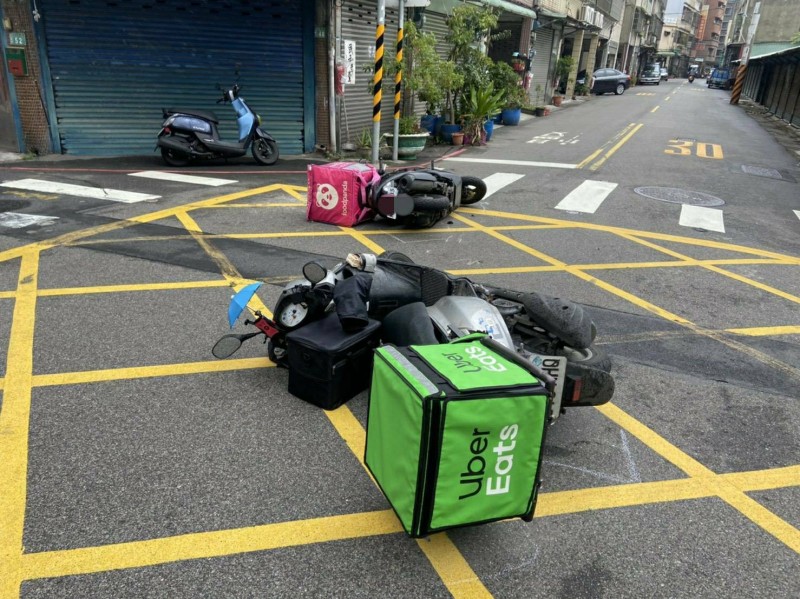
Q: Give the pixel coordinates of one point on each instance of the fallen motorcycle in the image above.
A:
(419, 198)
(347, 194)
(419, 305)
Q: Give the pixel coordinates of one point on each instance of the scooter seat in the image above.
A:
(203, 114)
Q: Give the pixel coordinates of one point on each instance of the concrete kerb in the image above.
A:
(432, 152)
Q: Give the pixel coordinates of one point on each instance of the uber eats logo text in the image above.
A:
(499, 481)
(476, 360)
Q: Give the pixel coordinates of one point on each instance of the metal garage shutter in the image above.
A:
(359, 19)
(114, 64)
(541, 65)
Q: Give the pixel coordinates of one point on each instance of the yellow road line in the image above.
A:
(227, 268)
(750, 509)
(261, 538)
(728, 492)
(14, 424)
(713, 268)
(766, 331)
(783, 258)
(616, 147)
(138, 554)
(452, 568)
(74, 236)
(597, 152)
(656, 108)
(143, 372)
(589, 158)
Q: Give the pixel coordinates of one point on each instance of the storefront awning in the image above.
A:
(508, 6)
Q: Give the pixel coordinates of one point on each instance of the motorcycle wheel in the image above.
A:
(472, 190)
(173, 157)
(589, 356)
(265, 151)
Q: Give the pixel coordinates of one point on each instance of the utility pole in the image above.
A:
(377, 82)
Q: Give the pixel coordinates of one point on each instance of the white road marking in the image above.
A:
(587, 197)
(701, 217)
(797, 213)
(513, 162)
(17, 220)
(163, 176)
(83, 191)
(497, 181)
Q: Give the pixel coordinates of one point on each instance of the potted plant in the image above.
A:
(480, 105)
(506, 80)
(563, 68)
(364, 144)
(427, 74)
(469, 29)
(411, 138)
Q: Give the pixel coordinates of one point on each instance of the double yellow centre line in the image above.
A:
(615, 142)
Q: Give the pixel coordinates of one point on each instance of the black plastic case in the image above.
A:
(328, 366)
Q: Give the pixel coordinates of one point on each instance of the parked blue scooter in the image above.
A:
(189, 134)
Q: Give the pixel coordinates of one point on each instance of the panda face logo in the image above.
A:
(327, 197)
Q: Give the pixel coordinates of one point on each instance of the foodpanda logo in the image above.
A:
(327, 197)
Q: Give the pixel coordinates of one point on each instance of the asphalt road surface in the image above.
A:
(133, 464)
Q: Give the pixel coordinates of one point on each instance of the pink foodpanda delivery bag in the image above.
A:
(337, 193)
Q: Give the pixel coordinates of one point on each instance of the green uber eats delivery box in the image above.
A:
(455, 432)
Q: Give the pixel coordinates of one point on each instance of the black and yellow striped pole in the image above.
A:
(398, 80)
(739, 83)
(377, 81)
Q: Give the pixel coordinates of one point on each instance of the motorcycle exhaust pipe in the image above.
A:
(417, 183)
(172, 143)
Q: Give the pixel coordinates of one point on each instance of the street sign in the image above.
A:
(349, 62)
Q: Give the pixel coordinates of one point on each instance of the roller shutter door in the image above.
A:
(114, 64)
(359, 20)
(541, 66)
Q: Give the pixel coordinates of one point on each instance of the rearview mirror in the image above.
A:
(230, 344)
(314, 272)
(226, 346)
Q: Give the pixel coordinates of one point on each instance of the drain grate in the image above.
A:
(762, 171)
(679, 196)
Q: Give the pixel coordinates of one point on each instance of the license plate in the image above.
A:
(555, 366)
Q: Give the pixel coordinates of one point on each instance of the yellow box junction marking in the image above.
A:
(444, 556)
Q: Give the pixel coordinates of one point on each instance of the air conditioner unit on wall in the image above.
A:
(586, 14)
(598, 19)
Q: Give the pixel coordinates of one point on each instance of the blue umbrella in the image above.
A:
(239, 301)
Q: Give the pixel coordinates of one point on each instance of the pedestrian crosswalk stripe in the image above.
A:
(797, 213)
(166, 176)
(83, 191)
(587, 197)
(498, 181)
(701, 217)
(17, 220)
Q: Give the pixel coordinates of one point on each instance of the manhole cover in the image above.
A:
(762, 171)
(679, 196)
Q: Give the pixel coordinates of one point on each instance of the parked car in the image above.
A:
(720, 78)
(651, 75)
(664, 74)
(605, 81)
